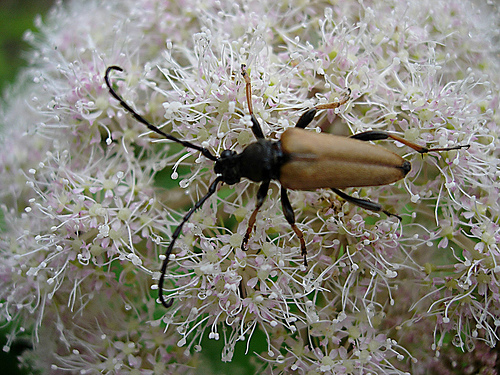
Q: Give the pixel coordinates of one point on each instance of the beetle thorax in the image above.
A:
(228, 166)
(259, 161)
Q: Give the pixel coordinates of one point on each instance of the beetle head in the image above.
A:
(228, 166)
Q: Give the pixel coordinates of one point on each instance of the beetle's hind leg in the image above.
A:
(364, 203)
(256, 128)
(261, 196)
(375, 135)
(290, 217)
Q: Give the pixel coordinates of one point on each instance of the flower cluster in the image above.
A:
(90, 198)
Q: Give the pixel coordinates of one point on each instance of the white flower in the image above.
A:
(90, 202)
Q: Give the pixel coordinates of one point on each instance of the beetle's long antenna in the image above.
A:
(150, 126)
(211, 190)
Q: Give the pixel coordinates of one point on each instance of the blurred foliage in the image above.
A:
(16, 16)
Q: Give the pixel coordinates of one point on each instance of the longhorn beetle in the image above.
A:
(300, 160)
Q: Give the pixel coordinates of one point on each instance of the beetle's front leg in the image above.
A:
(256, 128)
(261, 196)
(309, 115)
(290, 217)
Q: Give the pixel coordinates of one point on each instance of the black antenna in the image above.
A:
(142, 120)
(211, 190)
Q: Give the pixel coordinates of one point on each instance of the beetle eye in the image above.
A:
(226, 154)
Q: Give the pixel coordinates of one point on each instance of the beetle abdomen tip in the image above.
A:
(406, 167)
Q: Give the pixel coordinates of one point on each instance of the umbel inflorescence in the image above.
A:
(90, 199)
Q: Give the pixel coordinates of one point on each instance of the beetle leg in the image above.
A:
(261, 196)
(343, 99)
(374, 135)
(243, 294)
(290, 217)
(306, 118)
(309, 115)
(256, 128)
(211, 190)
(364, 203)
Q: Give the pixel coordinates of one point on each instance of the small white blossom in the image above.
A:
(90, 198)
